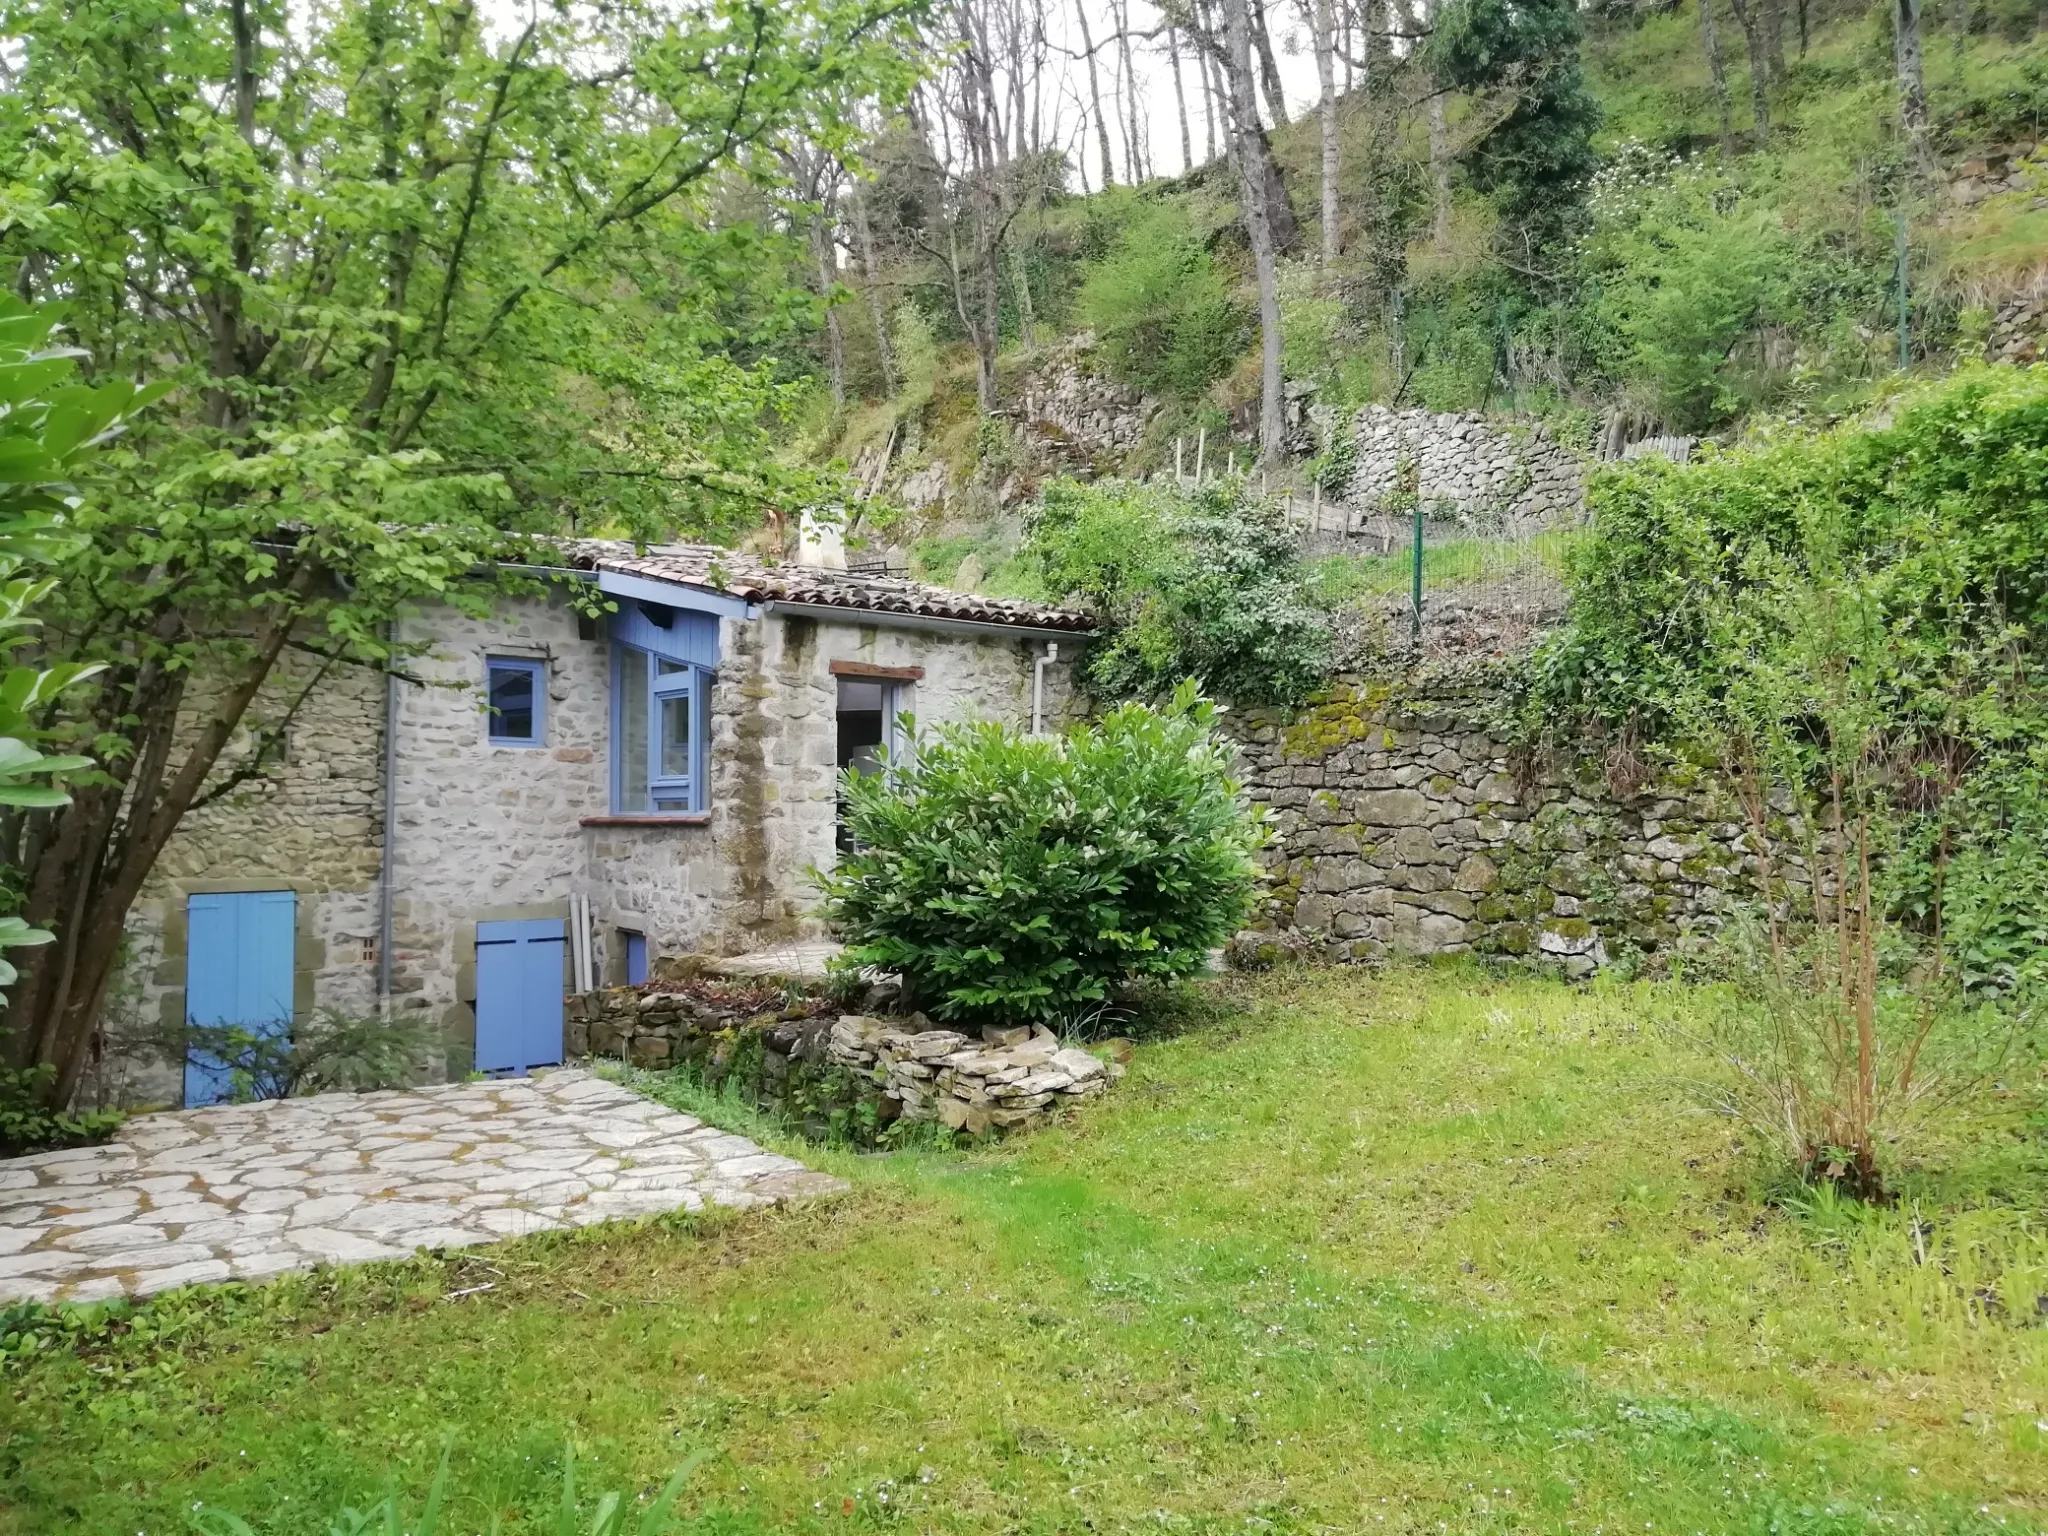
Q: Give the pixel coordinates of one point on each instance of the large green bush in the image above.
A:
(1011, 878)
(1936, 510)
(1208, 584)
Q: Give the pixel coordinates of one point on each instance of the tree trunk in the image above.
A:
(1759, 71)
(1439, 168)
(1244, 115)
(1139, 158)
(872, 289)
(1912, 87)
(1269, 66)
(1774, 38)
(1717, 71)
(1323, 25)
(1095, 95)
(835, 338)
(1027, 316)
(108, 840)
(1180, 102)
(1205, 70)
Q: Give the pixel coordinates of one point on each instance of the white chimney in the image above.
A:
(821, 543)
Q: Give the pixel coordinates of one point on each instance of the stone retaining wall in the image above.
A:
(1465, 467)
(1004, 1078)
(817, 1065)
(1401, 825)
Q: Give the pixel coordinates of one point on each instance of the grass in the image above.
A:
(1434, 1251)
(1454, 562)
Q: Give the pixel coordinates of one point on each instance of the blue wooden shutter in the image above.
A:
(238, 970)
(519, 994)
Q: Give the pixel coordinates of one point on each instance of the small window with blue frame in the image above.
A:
(660, 715)
(514, 701)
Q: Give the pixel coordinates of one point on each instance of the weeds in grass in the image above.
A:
(387, 1516)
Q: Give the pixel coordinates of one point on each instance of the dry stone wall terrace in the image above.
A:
(811, 1063)
(1076, 421)
(1466, 467)
(1005, 1078)
(2019, 332)
(1401, 827)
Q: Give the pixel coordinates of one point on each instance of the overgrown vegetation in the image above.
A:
(1207, 583)
(328, 1051)
(1847, 626)
(1015, 879)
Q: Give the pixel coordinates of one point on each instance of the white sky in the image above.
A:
(1067, 85)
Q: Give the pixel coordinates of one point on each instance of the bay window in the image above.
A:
(660, 721)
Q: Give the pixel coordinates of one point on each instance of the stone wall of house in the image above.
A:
(486, 831)
(775, 738)
(307, 822)
(1404, 824)
(1465, 467)
(812, 1062)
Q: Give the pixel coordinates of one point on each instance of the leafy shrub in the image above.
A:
(1847, 625)
(28, 1124)
(1011, 878)
(330, 1052)
(1207, 584)
(1166, 318)
(1938, 509)
(1685, 266)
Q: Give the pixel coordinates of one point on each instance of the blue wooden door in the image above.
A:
(519, 994)
(238, 970)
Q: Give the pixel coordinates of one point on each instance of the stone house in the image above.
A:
(548, 802)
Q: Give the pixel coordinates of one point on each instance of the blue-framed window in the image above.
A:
(515, 701)
(661, 716)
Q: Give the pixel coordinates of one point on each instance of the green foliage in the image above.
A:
(1686, 577)
(1206, 584)
(328, 1052)
(1848, 624)
(416, 280)
(1536, 154)
(28, 1124)
(1010, 878)
(1167, 319)
(442, 235)
(1685, 266)
(49, 425)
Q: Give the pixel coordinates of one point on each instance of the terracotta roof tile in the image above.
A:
(743, 576)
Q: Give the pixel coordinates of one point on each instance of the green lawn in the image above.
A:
(1426, 1252)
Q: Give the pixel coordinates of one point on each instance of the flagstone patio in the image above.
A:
(250, 1190)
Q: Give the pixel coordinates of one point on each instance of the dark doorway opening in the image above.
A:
(863, 728)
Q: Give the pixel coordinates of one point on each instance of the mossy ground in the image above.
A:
(1427, 1251)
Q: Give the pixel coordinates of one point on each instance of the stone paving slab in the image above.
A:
(244, 1191)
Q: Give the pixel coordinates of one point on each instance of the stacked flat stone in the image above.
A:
(245, 1191)
(2019, 334)
(1400, 828)
(1007, 1077)
(1466, 467)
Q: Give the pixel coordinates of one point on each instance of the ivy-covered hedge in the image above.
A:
(1939, 515)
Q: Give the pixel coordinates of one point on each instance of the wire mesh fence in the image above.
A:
(1442, 579)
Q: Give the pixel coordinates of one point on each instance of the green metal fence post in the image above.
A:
(1905, 309)
(1415, 613)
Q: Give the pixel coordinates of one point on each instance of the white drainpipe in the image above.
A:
(1052, 654)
